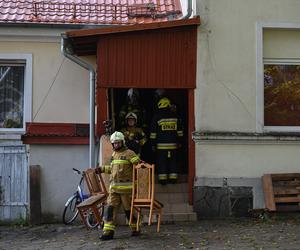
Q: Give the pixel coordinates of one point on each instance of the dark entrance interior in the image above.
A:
(148, 100)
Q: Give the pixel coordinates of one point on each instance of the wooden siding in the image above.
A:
(162, 58)
(13, 183)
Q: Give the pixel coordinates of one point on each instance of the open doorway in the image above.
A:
(148, 102)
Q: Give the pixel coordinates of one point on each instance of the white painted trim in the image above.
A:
(259, 79)
(260, 75)
(27, 115)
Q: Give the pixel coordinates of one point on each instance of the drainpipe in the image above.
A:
(66, 49)
(189, 10)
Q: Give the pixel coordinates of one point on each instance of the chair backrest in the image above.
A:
(94, 182)
(143, 178)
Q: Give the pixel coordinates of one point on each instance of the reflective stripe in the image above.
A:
(180, 133)
(120, 162)
(167, 120)
(128, 183)
(166, 145)
(135, 159)
(109, 227)
(153, 136)
(173, 176)
(162, 177)
(121, 187)
(133, 226)
(106, 169)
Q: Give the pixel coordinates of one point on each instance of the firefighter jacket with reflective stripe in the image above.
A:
(120, 170)
(135, 138)
(166, 130)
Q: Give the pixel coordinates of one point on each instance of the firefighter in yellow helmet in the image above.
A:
(134, 136)
(120, 170)
(166, 134)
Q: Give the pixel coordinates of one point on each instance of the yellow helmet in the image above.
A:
(164, 103)
(117, 136)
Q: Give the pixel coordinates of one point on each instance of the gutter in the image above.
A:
(66, 49)
(189, 10)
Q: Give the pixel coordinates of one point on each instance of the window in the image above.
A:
(15, 92)
(282, 93)
(278, 77)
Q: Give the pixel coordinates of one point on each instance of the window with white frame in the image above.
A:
(278, 96)
(281, 93)
(15, 92)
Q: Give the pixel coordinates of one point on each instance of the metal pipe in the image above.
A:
(189, 10)
(66, 49)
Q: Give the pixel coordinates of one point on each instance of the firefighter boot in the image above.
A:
(107, 235)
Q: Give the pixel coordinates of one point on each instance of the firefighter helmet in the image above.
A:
(133, 96)
(131, 115)
(164, 103)
(117, 136)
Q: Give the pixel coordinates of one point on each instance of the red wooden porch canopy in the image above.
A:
(152, 55)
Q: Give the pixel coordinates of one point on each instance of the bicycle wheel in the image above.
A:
(70, 212)
(91, 220)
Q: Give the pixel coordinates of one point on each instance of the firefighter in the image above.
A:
(166, 134)
(135, 137)
(133, 105)
(120, 170)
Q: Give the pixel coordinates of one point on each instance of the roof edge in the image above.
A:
(134, 27)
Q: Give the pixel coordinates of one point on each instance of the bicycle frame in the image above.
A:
(82, 195)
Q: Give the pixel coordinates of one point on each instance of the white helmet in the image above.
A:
(117, 136)
(131, 115)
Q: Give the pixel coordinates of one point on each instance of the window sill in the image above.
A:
(246, 138)
(10, 136)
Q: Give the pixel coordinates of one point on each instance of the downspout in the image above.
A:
(66, 49)
(189, 10)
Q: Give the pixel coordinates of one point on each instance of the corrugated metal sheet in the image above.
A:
(88, 11)
(13, 183)
(162, 58)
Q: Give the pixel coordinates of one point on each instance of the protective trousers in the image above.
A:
(114, 201)
(167, 164)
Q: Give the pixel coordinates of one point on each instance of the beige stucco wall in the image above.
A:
(226, 94)
(65, 100)
(226, 78)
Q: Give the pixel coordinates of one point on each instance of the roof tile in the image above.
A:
(88, 11)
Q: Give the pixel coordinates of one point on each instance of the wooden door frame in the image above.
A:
(102, 114)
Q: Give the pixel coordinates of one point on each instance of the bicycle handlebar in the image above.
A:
(77, 171)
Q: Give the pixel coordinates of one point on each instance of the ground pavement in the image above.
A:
(204, 234)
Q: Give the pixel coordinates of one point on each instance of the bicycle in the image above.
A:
(70, 212)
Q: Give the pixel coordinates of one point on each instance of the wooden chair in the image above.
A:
(143, 194)
(95, 203)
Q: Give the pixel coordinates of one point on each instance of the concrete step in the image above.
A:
(172, 188)
(171, 198)
(177, 208)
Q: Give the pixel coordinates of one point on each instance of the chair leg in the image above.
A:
(158, 221)
(150, 215)
(138, 221)
(81, 213)
(131, 215)
(97, 214)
